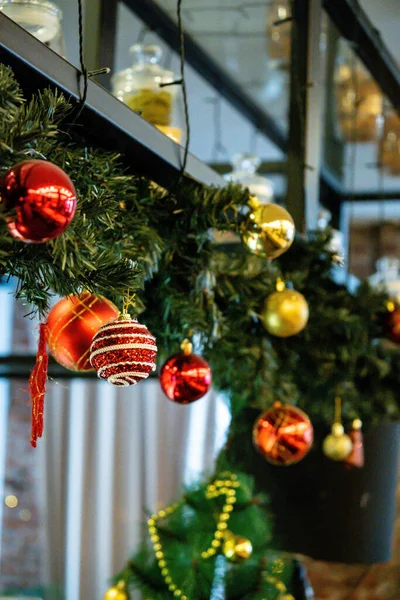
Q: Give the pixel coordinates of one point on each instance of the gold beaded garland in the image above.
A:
(219, 487)
(277, 568)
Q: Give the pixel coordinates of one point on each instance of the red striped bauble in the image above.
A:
(123, 351)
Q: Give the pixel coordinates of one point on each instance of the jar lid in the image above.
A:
(45, 4)
(245, 172)
(145, 68)
(246, 161)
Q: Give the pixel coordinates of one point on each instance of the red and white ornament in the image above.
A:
(123, 351)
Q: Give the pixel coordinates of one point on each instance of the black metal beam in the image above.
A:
(19, 367)
(355, 26)
(161, 23)
(108, 32)
(105, 120)
(392, 196)
(296, 161)
(273, 167)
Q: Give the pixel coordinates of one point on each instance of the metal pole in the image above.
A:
(305, 114)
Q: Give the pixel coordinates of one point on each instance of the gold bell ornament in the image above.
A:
(337, 445)
(269, 229)
(236, 548)
(116, 592)
(285, 312)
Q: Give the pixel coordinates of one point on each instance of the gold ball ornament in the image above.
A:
(269, 230)
(116, 592)
(285, 312)
(236, 548)
(337, 445)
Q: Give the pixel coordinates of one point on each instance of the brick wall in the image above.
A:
(370, 242)
(21, 539)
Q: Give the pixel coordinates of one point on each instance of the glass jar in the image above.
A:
(336, 242)
(245, 167)
(40, 18)
(358, 102)
(389, 144)
(387, 276)
(139, 88)
(279, 36)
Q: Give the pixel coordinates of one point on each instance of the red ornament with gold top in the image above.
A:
(283, 434)
(123, 351)
(71, 325)
(41, 200)
(185, 377)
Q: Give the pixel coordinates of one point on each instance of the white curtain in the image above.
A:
(109, 456)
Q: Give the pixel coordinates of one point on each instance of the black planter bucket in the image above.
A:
(321, 508)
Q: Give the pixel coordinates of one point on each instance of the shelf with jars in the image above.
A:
(107, 121)
(41, 18)
(148, 88)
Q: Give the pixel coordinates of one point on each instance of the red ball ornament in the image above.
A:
(393, 322)
(71, 325)
(185, 377)
(123, 351)
(41, 198)
(283, 434)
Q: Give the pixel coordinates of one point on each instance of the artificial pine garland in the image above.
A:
(129, 235)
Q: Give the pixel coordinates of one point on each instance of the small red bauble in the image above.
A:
(393, 323)
(123, 351)
(185, 377)
(41, 198)
(283, 434)
(71, 325)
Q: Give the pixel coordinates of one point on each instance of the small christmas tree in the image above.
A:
(211, 544)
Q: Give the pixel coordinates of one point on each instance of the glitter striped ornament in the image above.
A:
(123, 351)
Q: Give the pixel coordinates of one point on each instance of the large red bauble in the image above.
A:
(283, 434)
(41, 198)
(72, 323)
(393, 325)
(123, 351)
(185, 378)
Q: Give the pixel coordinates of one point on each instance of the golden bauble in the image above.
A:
(285, 313)
(116, 592)
(337, 445)
(269, 230)
(236, 548)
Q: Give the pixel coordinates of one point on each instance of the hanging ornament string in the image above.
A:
(85, 74)
(353, 158)
(184, 88)
(129, 301)
(338, 410)
(218, 145)
(182, 82)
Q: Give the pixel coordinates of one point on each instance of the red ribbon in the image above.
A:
(37, 385)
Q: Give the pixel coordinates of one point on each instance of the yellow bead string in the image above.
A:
(158, 549)
(221, 487)
(227, 487)
(277, 569)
